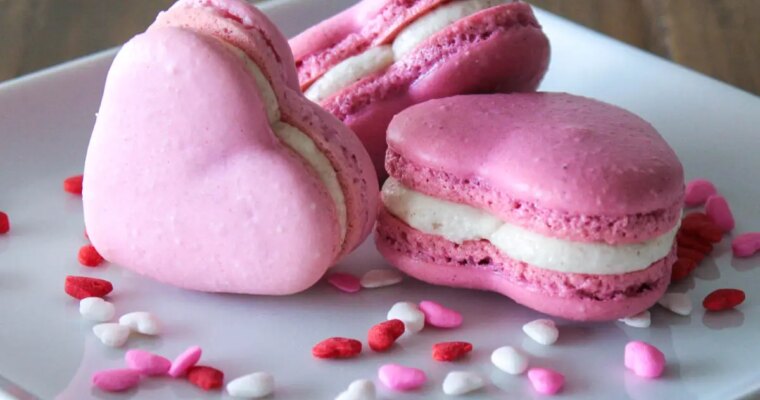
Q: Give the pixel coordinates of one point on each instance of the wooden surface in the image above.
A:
(720, 38)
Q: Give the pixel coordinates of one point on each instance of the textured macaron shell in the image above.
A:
(500, 49)
(480, 265)
(175, 187)
(559, 164)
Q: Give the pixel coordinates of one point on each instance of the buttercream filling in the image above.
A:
(297, 140)
(460, 222)
(353, 69)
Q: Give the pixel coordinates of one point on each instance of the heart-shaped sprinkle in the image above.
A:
(382, 336)
(746, 244)
(96, 309)
(89, 257)
(73, 184)
(80, 287)
(146, 362)
(337, 347)
(360, 389)
(141, 322)
(409, 314)
(640, 320)
(509, 360)
(723, 299)
(644, 359)
(206, 378)
(185, 361)
(458, 383)
(681, 269)
(439, 316)
(450, 351)
(697, 192)
(679, 303)
(111, 334)
(702, 226)
(546, 381)
(5, 223)
(400, 378)
(718, 209)
(376, 278)
(115, 380)
(344, 282)
(251, 386)
(542, 331)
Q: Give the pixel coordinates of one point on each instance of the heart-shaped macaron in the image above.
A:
(209, 170)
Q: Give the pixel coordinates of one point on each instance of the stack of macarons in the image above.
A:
(224, 161)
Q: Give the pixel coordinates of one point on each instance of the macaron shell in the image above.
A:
(479, 265)
(501, 49)
(174, 187)
(244, 26)
(554, 150)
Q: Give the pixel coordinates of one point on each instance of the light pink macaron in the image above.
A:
(491, 46)
(209, 170)
(565, 204)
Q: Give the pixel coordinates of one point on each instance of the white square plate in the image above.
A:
(47, 349)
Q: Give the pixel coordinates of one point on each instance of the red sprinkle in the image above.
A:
(89, 257)
(5, 223)
(206, 378)
(450, 351)
(337, 347)
(700, 225)
(682, 268)
(719, 211)
(382, 336)
(73, 184)
(723, 299)
(691, 254)
(695, 243)
(80, 287)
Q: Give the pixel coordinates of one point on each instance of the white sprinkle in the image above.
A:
(251, 386)
(509, 360)
(640, 320)
(360, 389)
(409, 314)
(377, 278)
(679, 303)
(141, 322)
(96, 309)
(458, 383)
(543, 331)
(111, 334)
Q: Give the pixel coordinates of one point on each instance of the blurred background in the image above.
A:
(720, 38)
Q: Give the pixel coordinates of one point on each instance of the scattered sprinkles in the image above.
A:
(451, 351)
(89, 257)
(644, 359)
(382, 336)
(409, 314)
(116, 380)
(111, 334)
(344, 282)
(542, 331)
(697, 192)
(439, 316)
(96, 309)
(251, 386)
(377, 278)
(458, 383)
(400, 378)
(546, 381)
(5, 223)
(337, 347)
(679, 303)
(723, 299)
(147, 363)
(718, 209)
(80, 287)
(141, 322)
(360, 389)
(206, 378)
(509, 360)
(186, 360)
(640, 320)
(746, 244)
(73, 184)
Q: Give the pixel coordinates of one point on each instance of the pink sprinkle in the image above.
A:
(546, 381)
(717, 208)
(147, 363)
(746, 244)
(185, 361)
(116, 380)
(345, 282)
(439, 316)
(697, 192)
(644, 359)
(400, 378)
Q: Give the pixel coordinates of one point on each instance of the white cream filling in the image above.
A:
(353, 69)
(458, 223)
(297, 140)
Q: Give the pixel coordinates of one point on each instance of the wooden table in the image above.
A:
(720, 38)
